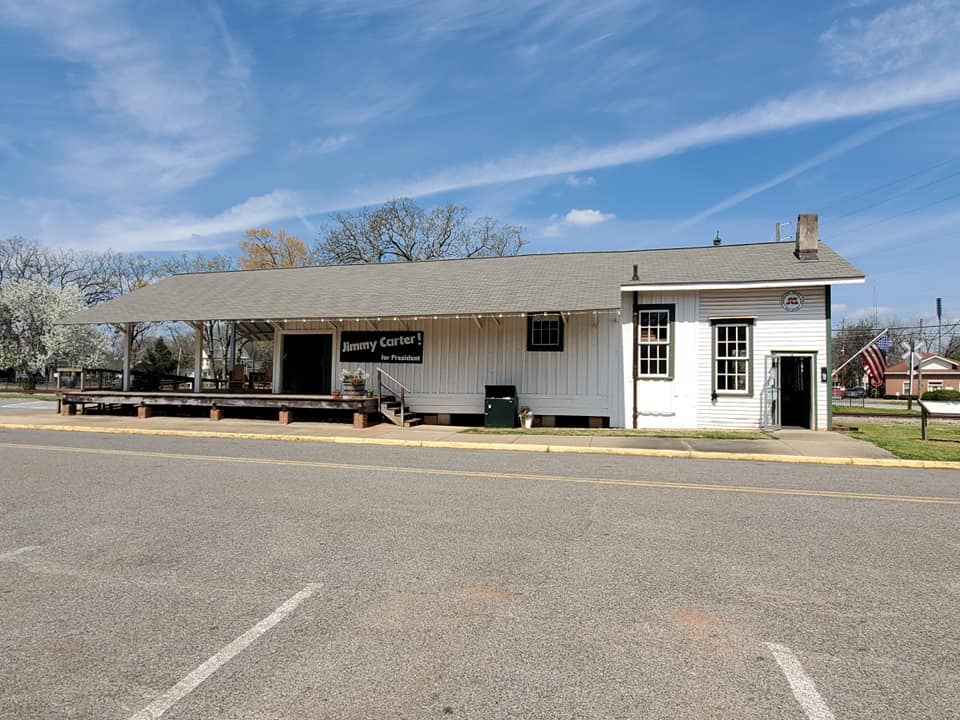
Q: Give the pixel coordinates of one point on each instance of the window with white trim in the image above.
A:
(906, 388)
(655, 341)
(732, 357)
(934, 384)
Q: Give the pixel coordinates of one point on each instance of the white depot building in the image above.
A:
(723, 336)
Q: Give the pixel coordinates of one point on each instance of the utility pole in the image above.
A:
(910, 375)
(939, 326)
(920, 348)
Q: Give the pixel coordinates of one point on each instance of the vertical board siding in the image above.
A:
(461, 358)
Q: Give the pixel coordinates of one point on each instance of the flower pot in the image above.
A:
(354, 390)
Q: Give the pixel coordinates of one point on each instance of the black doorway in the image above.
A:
(796, 390)
(307, 363)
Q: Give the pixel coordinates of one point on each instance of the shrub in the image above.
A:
(942, 395)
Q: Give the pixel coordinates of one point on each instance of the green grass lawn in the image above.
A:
(857, 410)
(25, 396)
(619, 432)
(903, 440)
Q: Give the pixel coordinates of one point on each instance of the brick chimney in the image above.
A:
(808, 237)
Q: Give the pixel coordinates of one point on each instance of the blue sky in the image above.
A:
(146, 126)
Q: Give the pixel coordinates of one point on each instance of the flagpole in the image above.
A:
(853, 357)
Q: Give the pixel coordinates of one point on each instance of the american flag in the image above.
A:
(875, 358)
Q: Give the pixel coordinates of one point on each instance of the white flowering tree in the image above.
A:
(30, 338)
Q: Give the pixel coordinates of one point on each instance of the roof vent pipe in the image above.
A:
(717, 240)
(807, 239)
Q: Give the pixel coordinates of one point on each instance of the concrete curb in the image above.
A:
(516, 447)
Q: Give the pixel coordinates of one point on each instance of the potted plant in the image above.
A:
(526, 417)
(354, 382)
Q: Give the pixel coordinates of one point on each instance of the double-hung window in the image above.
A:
(655, 341)
(733, 356)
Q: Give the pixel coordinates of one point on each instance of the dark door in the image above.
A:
(307, 362)
(796, 390)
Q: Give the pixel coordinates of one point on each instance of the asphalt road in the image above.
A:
(185, 578)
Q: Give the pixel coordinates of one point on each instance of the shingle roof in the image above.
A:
(900, 368)
(521, 283)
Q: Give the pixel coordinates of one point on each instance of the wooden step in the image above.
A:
(393, 415)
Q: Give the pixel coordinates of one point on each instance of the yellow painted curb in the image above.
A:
(519, 447)
(642, 452)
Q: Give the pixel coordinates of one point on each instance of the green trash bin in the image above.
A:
(500, 406)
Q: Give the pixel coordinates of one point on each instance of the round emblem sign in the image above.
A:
(791, 301)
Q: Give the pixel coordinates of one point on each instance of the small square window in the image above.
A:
(545, 332)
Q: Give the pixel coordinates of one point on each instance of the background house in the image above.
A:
(935, 373)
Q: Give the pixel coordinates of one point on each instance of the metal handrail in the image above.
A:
(402, 390)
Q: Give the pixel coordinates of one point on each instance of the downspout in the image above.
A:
(636, 330)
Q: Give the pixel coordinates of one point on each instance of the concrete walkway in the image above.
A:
(790, 445)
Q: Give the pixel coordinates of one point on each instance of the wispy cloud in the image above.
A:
(920, 33)
(834, 151)
(143, 231)
(367, 101)
(322, 145)
(166, 114)
(580, 180)
(424, 19)
(239, 60)
(815, 105)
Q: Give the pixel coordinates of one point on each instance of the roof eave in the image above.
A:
(759, 284)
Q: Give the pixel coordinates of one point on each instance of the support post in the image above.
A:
(923, 422)
(232, 349)
(198, 358)
(127, 354)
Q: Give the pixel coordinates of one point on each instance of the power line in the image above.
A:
(897, 181)
(898, 215)
(894, 197)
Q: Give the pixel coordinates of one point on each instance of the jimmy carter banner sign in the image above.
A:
(381, 347)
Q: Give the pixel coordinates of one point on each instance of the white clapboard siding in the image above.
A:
(685, 401)
(461, 357)
(775, 330)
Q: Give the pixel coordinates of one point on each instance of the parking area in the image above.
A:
(195, 578)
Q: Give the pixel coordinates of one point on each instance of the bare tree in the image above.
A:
(196, 263)
(402, 231)
(849, 340)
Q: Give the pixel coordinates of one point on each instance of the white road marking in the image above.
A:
(803, 688)
(190, 682)
(12, 554)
